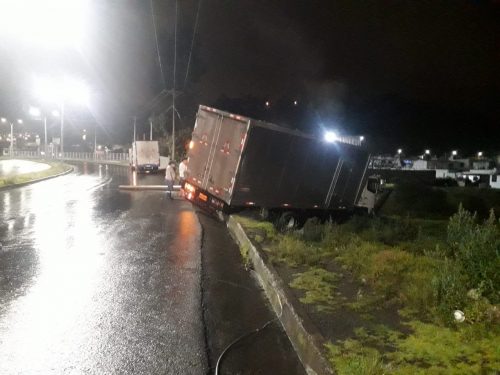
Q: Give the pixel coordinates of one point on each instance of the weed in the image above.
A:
(427, 349)
(313, 230)
(262, 228)
(439, 350)
(295, 252)
(258, 238)
(388, 270)
(450, 289)
(477, 248)
(355, 359)
(319, 287)
(245, 255)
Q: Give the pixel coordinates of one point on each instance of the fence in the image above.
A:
(100, 156)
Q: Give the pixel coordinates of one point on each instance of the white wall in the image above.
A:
(419, 164)
(445, 173)
(495, 185)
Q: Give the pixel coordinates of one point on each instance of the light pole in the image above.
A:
(62, 91)
(62, 128)
(19, 121)
(37, 113)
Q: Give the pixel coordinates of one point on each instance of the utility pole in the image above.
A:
(135, 123)
(151, 128)
(45, 131)
(11, 139)
(62, 129)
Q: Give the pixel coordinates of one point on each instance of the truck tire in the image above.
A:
(287, 221)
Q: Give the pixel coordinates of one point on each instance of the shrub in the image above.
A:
(358, 256)
(336, 237)
(450, 289)
(400, 230)
(477, 248)
(388, 270)
(358, 223)
(417, 292)
(420, 200)
(296, 252)
(459, 224)
(313, 230)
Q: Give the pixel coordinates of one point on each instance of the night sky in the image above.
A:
(411, 74)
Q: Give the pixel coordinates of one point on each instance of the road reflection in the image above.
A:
(65, 248)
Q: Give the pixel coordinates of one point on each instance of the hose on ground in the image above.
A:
(248, 334)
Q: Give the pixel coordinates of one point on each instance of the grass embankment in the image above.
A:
(55, 169)
(424, 201)
(400, 281)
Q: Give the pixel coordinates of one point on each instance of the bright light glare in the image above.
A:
(55, 113)
(19, 121)
(57, 91)
(454, 152)
(76, 92)
(35, 112)
(479, 154)
(49, 23)
(400, 150)
(330, 136)
(3, 119)
(427, 152)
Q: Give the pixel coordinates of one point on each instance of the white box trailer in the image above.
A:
(145, 156)
(237, 162)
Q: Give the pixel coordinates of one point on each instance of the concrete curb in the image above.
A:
(110, 162)
(13, 186)
(148, 187)
(304, 336)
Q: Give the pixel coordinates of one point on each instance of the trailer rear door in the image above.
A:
(201, 144)
(218, 140)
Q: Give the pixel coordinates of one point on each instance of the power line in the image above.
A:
(157, 46)
(174, 81)
(192, 43)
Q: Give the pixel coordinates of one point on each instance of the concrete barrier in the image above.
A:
(304, 336)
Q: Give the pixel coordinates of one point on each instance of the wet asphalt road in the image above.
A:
(94, 280)
(98, 281)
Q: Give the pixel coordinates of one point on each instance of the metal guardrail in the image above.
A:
(91, 156)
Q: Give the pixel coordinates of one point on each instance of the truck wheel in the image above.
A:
(287, 221)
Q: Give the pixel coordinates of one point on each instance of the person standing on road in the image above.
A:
(170, 178)
(183, 171)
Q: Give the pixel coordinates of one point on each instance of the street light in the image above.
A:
(400, 151)
(330, 136)
(4, 121)
(454, 152)
(479, 154)
(40, 22)
(37, 113)
(427, 152)
(62, 91)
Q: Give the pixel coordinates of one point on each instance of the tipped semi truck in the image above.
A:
(145, 156)
(236, 162)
